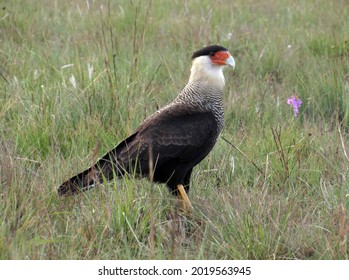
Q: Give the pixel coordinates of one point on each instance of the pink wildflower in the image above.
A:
(295, 102)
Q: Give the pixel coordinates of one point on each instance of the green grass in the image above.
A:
(276, 189)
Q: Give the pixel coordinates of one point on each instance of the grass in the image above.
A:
(76, 78)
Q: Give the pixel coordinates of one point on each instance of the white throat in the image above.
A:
(204, 70)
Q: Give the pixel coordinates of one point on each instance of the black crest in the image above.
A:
(209, 50)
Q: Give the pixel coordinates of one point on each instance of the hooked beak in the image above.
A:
(230, 62)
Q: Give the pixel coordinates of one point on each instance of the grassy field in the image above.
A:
(79, 76)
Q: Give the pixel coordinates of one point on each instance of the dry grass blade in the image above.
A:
(152, 211)
(280, 149)
(241, 152)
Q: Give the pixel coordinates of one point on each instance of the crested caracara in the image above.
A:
(174, 139)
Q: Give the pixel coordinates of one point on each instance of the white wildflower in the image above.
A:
(72, 80)
(90, 71)
(232, 164)
(36, 74)
(257, 108)
(229, 36)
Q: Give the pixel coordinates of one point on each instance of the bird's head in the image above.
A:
(208, 64)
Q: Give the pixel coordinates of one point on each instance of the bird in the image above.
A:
(172, 141)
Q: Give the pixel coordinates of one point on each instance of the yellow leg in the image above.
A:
(185, 202)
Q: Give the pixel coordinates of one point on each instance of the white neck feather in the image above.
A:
(204, 70)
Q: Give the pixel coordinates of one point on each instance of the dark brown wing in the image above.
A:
(176, 137)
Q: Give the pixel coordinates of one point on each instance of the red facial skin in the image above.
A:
(220, 57)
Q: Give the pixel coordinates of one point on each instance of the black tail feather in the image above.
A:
(116, 163)
(104, 169)
(81, 182)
